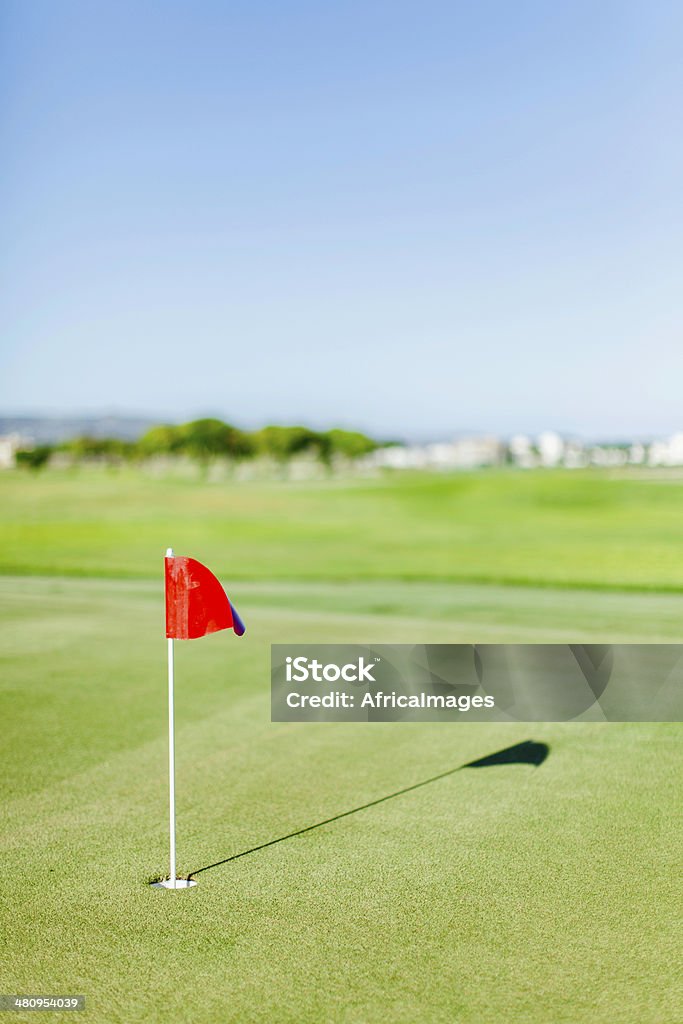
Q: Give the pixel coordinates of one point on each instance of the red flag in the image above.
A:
(196, 603)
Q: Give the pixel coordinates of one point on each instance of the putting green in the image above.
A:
(510, 892)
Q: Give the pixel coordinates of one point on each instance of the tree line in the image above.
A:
(204, 441)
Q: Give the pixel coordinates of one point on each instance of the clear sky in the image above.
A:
(413, 217)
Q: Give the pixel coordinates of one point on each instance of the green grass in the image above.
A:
(510, 893)
(584, 529)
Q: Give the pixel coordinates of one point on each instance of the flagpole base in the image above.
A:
(180, 883)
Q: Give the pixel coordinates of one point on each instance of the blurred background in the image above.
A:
(360, 294)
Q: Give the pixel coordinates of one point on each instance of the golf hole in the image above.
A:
(180, 883)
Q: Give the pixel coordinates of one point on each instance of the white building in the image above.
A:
(9, 445)
(550, 448)
(522, 451)
(668, 452)
(463, 453)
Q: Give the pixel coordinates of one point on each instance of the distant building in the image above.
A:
(463, 453)
(574, 456)
(398, 456)
(550, 448)
(668, 452)
(522, 452)
(472, 452)
(9, 446)
(608, 456)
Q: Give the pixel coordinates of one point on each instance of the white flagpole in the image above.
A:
(171, 757)
(173, 882)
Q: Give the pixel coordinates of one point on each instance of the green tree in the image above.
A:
(111, 450)
(166, 439)
(34, 458)
(350, 443)
(282, 443)
(207, 439)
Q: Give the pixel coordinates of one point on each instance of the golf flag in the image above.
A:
(196, 603)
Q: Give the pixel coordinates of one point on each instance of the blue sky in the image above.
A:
(415, 218)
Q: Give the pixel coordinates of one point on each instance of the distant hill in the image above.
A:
(52, 429)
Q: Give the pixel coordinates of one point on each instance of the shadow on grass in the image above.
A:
(527, 752)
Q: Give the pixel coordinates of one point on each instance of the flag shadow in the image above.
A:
(528, 752)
